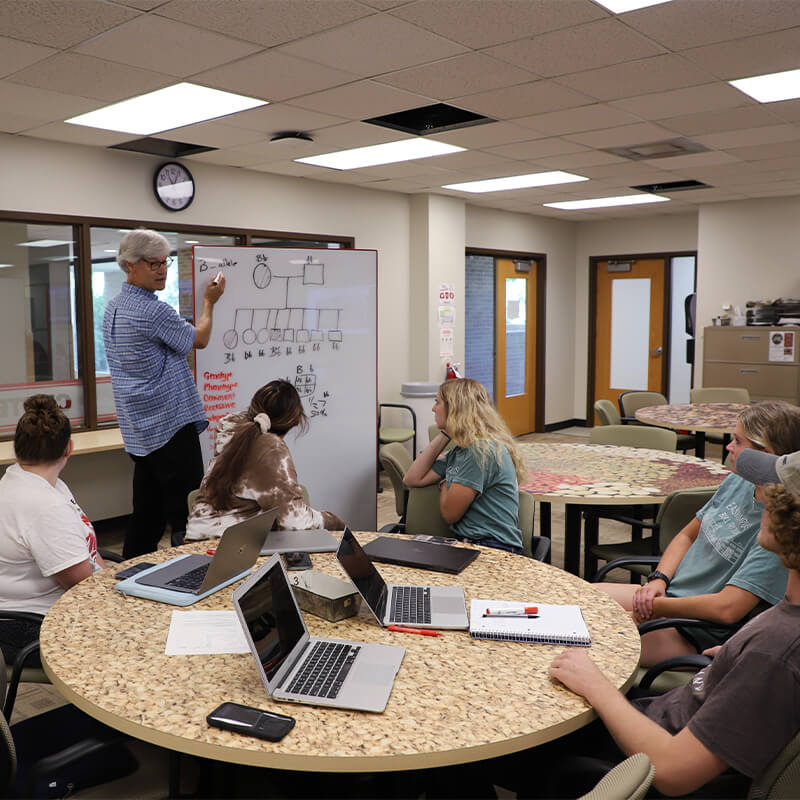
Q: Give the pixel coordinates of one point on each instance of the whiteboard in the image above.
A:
(309, 316)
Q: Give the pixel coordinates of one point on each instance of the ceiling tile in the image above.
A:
(788, 110)
(656, 74)
(536, 148)
(354, 134)
(77, 134)
(597, 44)
(622, 136)
(227, 158)
(692, 161)
(16, 55)
(489, 134)
(476, 159)
(522, 100)
(747, 137)
(406, 186)
(211, 134)
(691, 23)
(751, 116)
(274, 76)
(41, 104)
(392, 45)
(280, 117)
(266, 150)
(575, 120)
(757, 55)
(384, 5)
(708, 97)
(14, 122)
(91, 77)
(577, 161)
(470, 24)
(59, 23)
(268, 23)
(761, 151)
(163, 45)
(460, 75)
(361, 100)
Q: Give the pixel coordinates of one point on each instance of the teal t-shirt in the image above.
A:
(494, 513)
(726, 552)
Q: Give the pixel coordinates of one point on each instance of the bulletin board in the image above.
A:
(309, 316)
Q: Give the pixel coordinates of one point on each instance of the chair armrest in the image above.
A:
(621, 562)
(16, 675)
(110, 555)
(639, 523)
(679, 622)
(698, 661)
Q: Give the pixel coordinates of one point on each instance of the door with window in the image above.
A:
(515, 337)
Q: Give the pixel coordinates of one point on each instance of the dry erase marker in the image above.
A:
(216, 278)
(210, 552)
(512, 616)
(511, 612)
(420, 631)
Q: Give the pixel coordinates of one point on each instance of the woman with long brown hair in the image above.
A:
(253, 470)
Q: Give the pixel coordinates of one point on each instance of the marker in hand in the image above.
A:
(217, 278)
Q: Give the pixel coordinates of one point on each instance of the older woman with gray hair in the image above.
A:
(159, 409)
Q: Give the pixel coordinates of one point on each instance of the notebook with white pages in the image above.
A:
(508, 621)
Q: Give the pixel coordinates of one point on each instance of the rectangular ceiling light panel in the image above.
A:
(517, 182)
(772, 87)
(606, 202)
(389, 153)
(162, 110)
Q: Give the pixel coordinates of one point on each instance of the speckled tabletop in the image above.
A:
(455, 699)
(693, 416)
(595, 474)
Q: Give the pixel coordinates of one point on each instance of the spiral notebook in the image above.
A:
(552, 624)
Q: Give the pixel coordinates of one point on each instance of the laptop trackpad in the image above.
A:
(374, 673)
(449, 605)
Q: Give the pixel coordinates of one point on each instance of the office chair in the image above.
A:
(606, 413)
(536, 547)
(634, 436)
(395, 460)
(387, 435)
(423, 515)
(719, 394)
(629, 780)
(631, 402)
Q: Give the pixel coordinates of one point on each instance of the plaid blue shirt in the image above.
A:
(146, 346)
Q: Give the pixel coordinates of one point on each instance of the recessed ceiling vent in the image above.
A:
(430, 119)
(672, 186)
(666, 149)
(161, 147)
(291, 136)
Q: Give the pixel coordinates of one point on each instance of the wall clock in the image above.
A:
(174, 186)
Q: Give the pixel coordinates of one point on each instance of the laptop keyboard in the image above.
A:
(325, 669)
(411, 605)
(191, 580)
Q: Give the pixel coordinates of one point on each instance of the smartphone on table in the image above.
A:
(251, 721)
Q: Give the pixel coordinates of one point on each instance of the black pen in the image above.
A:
(512, 616)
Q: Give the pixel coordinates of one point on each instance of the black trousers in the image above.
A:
(161, 481)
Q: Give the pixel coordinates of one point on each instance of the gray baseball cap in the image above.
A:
(765, 468)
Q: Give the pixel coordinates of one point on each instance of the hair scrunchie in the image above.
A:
(263, 421)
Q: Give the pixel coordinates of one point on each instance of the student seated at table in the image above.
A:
(478, 477)
(47, 544)
(713, 569)
(743, 709)
(252, 469)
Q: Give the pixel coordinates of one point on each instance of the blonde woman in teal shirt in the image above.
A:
(478, 478)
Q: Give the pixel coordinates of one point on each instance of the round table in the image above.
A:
(697, 417)
(594, 474)
(455, 699)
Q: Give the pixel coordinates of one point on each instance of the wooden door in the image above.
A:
(515, 337)
(629, 328)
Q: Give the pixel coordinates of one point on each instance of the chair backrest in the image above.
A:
(781, 779)
(629, 780)
(634, 436)
(422, 512)
(629, 402)
(606, 412)
(527, 510)
(677, 510)
(395, 460)
(191, 498)
(719, 394)
(8, 753)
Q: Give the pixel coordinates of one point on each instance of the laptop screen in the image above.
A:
(272, 619)
(362, 572)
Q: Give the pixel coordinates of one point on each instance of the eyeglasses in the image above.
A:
(155, 266)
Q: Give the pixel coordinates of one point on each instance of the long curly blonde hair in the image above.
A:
(473, 420)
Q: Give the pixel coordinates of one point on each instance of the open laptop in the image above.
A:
(236, 551)
(300, 668)
(312, 541)
(418, 606)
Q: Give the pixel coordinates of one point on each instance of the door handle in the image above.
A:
(657, 352)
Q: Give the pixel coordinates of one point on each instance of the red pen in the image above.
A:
(420, 631)
(511, 612)
(210, 552)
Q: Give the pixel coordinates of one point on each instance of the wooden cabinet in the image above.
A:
(740, 356)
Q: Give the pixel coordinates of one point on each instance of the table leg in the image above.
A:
(572, 538)
(700, 444)
(726, 440)
(591, 529)
(544, 520)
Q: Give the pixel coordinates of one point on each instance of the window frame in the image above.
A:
(81, 228)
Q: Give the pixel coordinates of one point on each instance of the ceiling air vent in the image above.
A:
(430, 119)
(161, 147)
(666, 149)
(672, 186)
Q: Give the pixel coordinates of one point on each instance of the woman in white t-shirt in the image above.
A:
(47, 544)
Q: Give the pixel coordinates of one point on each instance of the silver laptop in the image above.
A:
(315, 541)
(417, 606)
(299, 668)
(236, 551)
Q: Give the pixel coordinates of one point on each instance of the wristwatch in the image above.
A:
(657, 573)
